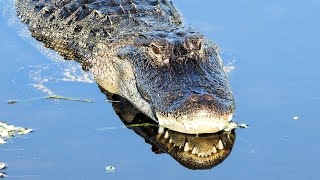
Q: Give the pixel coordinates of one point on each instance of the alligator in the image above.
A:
(142, 51)
(204, 151)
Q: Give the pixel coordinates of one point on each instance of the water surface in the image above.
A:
(273, 46)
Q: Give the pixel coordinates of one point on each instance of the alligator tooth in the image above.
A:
(166, 135)
(206, 155)
(194, 150)
(186, 147)
(161, 130)
(200, 155)
(230, 116)
(214, 150)
(170, 140)
(180, 147)
(220, 145)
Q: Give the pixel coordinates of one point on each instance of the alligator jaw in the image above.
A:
(196, 152)
(201, 123)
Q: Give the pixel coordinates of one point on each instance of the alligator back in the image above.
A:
(73, 28)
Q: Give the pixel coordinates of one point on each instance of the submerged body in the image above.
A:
(140, 50)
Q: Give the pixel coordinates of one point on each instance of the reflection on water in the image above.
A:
(204, 151)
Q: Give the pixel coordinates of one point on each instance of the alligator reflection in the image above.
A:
(194, 152)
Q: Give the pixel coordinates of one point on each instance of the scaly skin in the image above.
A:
(194, 152)
(140, 50)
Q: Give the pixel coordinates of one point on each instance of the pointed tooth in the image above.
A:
(186, 147)
(160, 130)
(170, 140)
(214, 150)
(166, 135)
(220, 145)
(230, 116)
(180, 147)
(194, 150)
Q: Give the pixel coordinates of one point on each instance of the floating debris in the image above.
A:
(7, 131)
(52, 97)
(142, 125)
(242, 126)
(12, 101)
(232, 125)
(295, 117)
(2, 166)
(127, 126)
(2, 175)
(110, 169)
(70, 99)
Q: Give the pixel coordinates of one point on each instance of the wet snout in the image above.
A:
(198, 114)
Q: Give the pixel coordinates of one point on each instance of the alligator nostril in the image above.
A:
(199, 45)
(208, 97)
(194, 98)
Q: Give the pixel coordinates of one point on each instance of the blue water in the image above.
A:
(274, 47)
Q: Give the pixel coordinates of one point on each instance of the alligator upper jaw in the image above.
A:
(202, 122)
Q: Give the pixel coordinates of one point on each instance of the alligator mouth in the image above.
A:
(196, 151)
(202, 151)
(202, 122)
(216, 148)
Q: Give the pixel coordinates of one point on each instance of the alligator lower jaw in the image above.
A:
(202, 123)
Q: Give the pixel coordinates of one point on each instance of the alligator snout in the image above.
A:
(198, 114)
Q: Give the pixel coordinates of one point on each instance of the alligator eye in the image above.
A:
(142, 36)
(155, 49)
(200, 45)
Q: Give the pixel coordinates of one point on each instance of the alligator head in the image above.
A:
(141, 51)
(194, 152)
(180, 74)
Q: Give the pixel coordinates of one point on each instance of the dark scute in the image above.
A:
(38, 7)
(78, 28)
(83, 13)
